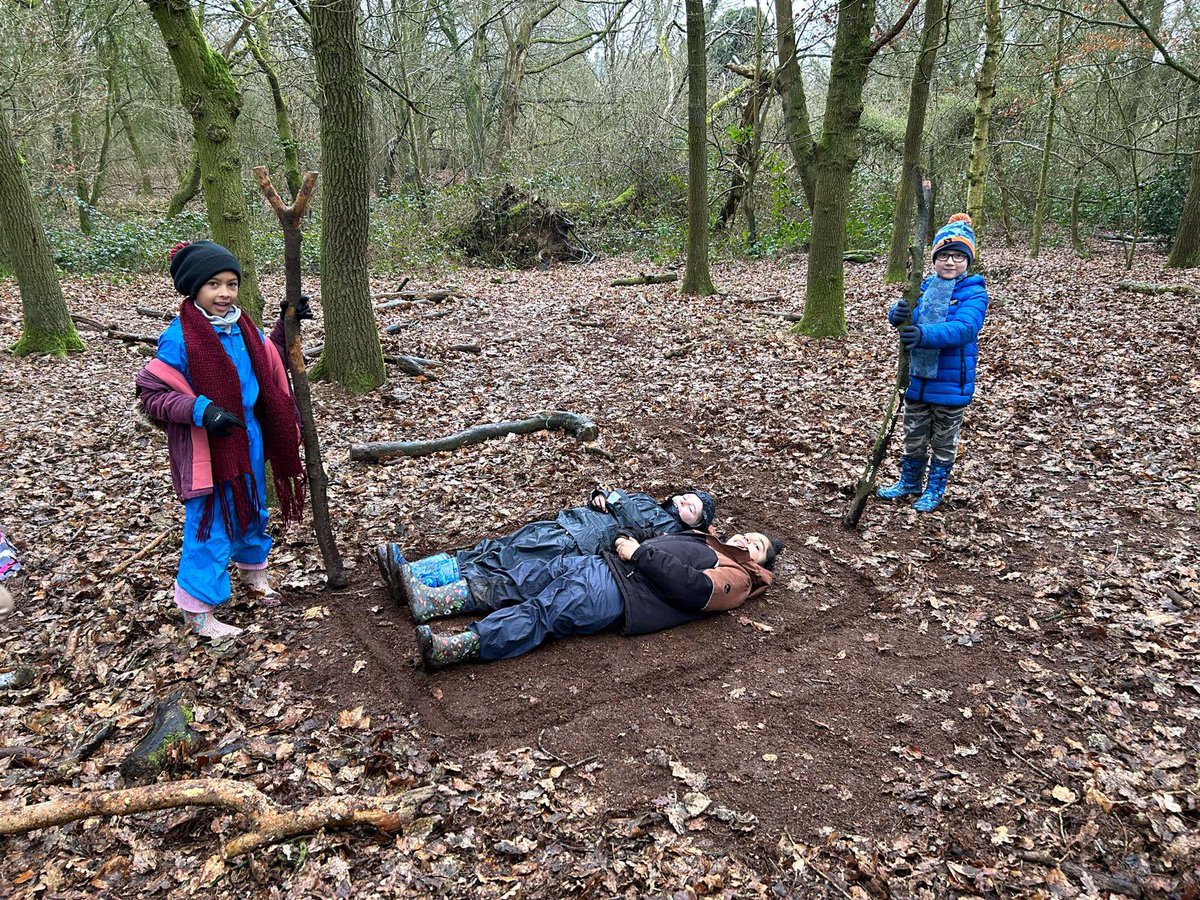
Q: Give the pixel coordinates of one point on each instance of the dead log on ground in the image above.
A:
(268, 822)
(170, 733)
(575, 425)
(412, 365)
(155, 313)
(464, 348)
(858, 256)
(786, 316)
(1145, 287)
(643, 278)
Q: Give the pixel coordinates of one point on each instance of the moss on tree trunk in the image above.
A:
(352, 356)
(837, 154)
(45, 320)
(210, 96)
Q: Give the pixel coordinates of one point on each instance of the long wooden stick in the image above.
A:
(318, 481)
(912, 293)
(269, 823)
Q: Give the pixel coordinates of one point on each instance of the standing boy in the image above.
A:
(943, 344)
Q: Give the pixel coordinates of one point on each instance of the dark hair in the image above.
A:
(774, 548)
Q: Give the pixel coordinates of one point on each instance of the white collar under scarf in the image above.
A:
(221, 323)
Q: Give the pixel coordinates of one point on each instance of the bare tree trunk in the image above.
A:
(696, 277)
(1185, 251)
(46, 325)
(283, 120)
(1039, 210)
(914, 131)
(985, 95)
(210, 96)
(353, 356)
(797, 128)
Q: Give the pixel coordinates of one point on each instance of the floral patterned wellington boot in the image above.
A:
(257, 582)
(440, 650)
(427, 602)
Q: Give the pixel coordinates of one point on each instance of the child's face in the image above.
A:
(218, 294)
(949, 264)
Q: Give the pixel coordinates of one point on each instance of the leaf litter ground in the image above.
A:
(998, 699)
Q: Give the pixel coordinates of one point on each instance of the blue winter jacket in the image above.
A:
(957, 338)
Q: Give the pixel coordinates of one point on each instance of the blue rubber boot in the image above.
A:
(390, 561)
(936, 489)
(912, 479)
(436, 570)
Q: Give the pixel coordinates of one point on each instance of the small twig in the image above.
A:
(141, 554)
(554, 756)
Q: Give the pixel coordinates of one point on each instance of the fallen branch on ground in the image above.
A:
(155, 313)
(141, 554)
(1145, 287)
(412, 365)
(405, 298)
(110, 331)
(575, 425)
(269, 823)
(1114, 884)
(643, 278)
(786, 316)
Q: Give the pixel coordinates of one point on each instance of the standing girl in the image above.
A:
(221, 392)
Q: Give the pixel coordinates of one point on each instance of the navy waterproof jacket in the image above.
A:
(958, 340)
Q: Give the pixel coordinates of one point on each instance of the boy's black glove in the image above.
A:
(901, 313)
(218, 421)
(303, 308)
(910, 336)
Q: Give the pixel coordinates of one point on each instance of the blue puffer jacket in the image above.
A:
(957, 338)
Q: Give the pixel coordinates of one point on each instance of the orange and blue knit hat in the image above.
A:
(956, 234)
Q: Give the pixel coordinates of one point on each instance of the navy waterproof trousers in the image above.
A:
(570, 595)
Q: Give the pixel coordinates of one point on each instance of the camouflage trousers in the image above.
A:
(928, 425)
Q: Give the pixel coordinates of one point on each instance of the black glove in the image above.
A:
(910, 336)
(218, 422)
(303, 308)
(901, 313)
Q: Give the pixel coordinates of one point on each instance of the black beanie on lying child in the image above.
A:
(193, 264)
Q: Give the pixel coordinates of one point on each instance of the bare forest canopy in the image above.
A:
(583, 104)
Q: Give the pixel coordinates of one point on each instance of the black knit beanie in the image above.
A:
(193, 264)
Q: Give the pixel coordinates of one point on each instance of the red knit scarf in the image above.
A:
(213, 374)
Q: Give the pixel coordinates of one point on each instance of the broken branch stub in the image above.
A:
(575, 425)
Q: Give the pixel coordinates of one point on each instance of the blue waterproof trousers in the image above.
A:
(572, 595)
